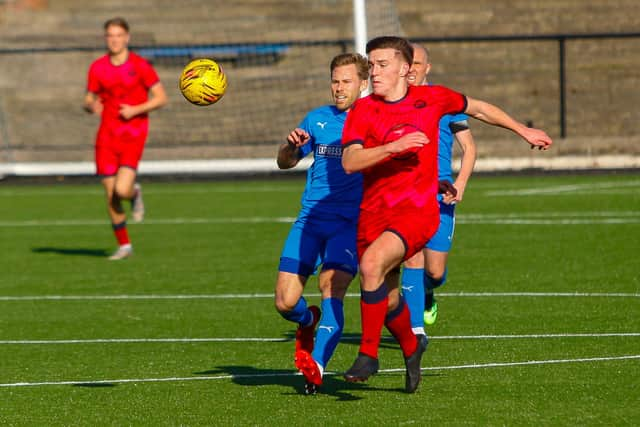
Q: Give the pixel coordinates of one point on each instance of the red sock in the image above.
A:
(373, 309)
(398, 322)
(120, 231)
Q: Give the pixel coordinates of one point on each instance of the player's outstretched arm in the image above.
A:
(493, 115)
(289, 152)
(356, 158)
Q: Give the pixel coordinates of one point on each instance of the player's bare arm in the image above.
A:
(356, 158)
(289, 152)
(157, 100)
(468, 161)
(493, 115)
(92, 104)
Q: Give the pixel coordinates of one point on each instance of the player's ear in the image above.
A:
(404, 69)
(427, 68)
(364, 84)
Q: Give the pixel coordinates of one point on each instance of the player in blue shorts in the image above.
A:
(325, 231)
(427, 270)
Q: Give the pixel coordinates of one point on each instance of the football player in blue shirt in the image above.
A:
(325, 231)
(428, 269)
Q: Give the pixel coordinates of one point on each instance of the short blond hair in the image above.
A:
(361, 63)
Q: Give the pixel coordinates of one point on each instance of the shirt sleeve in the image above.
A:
(148, 73)
(93, 83)
(355, 127)
(451, 101)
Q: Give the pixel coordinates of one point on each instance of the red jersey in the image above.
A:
(128, 83)
(407, 180)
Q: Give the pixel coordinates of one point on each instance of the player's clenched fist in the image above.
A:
(298, 137)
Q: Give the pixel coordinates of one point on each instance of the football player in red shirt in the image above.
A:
(117, 90)
(391, 136)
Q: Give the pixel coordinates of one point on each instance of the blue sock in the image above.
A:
(300, 313)
(413, 291)
(329, 330)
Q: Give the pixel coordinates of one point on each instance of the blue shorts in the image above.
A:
(442, 240)
(313, 241)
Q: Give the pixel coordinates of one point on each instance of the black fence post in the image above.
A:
(562, 80)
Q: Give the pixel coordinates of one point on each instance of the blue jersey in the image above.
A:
(329, 191)
(445, 145)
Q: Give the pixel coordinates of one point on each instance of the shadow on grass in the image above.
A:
(333, 384)
(94, 385)
(71, 251)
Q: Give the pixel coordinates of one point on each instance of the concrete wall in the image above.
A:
(41, 94)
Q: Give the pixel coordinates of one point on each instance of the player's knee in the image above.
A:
(435, 278)
(283, 306)
(122, 192)
(370, 269)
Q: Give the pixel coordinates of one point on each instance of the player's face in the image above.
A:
(388, 73)
(419, 69)
(346, 86)
(117, 39)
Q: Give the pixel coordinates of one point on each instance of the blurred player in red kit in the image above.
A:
(118, 90)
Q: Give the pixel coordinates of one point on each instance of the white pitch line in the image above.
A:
(540, 294)
(143, 340)
(563, 189)
(529, 362)
(556, 214)
(136, 297)
(542, 336)
(292, 374)
(58, 192)
(525, 218)
(166, 221)
(270, 295)
(525, 221)
(253, 339)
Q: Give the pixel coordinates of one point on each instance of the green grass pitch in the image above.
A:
(539, 322)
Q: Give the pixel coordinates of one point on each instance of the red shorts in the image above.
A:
(113, 151)
(415, 227)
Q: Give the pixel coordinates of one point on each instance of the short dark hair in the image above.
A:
(400, 44)
(118, 22)
(361, 63)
